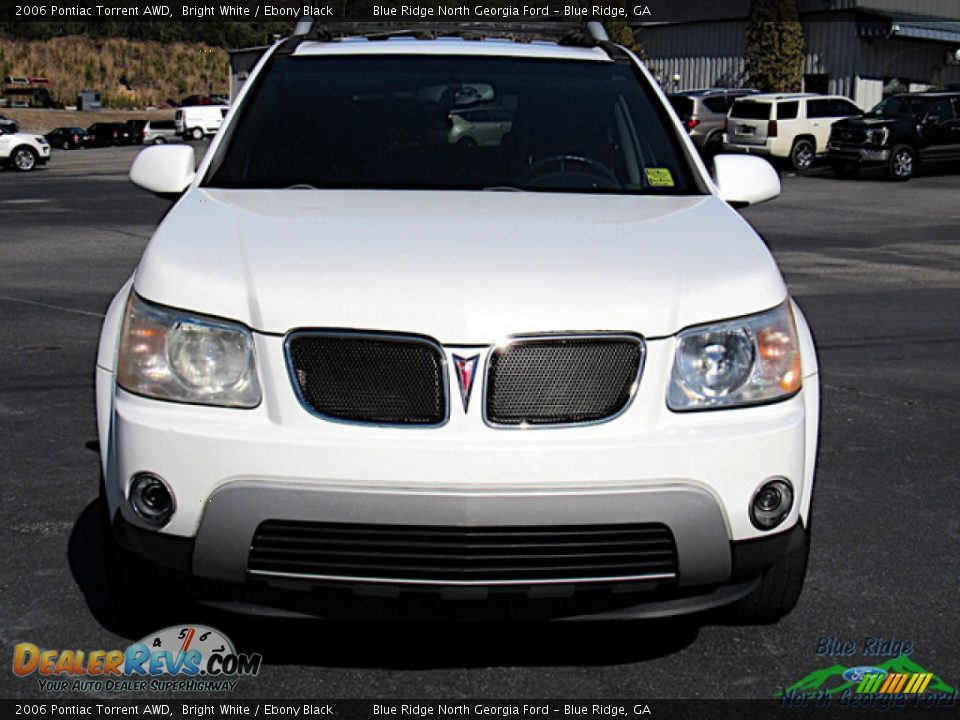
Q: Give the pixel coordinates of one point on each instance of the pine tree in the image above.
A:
(775, 43)
(621, 33)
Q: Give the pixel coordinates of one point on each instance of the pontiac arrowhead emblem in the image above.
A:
(466, 373)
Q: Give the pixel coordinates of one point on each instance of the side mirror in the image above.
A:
(745, 180)
(165, 170)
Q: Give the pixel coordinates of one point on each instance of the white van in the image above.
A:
(199, 121)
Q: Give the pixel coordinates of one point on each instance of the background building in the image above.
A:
(863, 49)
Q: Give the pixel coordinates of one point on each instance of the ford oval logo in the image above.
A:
(855, 674)
(845, 136)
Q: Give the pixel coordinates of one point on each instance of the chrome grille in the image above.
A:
(370, 378)
(440, 555)
(848, 136)
(554, 380)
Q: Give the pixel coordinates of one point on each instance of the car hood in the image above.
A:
(19, 137)
(870, 121)
(461, 267)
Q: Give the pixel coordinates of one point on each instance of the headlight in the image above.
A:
(171, 355)
(878, 136)
(738, 362)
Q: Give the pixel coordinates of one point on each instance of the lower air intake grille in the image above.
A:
(464, 555)
(562, 380)
(370, 378)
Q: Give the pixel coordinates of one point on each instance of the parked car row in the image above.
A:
(105, 134)
(798, 128)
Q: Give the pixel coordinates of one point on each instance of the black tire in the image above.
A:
(196, 133)
(778, 591)
(902, 164)
(467, 142)
(802, 155)
(846, 170)
(159, 141)
(23, 159)
(65, 145)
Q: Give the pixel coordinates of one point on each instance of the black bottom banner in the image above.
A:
(825, 707)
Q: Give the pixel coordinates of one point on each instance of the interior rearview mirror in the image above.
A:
(745, 180)
(165, 170)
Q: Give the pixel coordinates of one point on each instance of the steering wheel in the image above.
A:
(588, 167)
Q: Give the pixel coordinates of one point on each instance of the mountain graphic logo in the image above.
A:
(831, 681)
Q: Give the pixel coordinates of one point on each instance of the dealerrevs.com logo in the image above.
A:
(188, 657)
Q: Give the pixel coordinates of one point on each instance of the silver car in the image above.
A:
(479, 126)
(703, 113)
(158, 132)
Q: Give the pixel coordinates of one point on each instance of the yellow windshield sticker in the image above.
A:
(659, 177)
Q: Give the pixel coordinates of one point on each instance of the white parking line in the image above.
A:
(49, 306)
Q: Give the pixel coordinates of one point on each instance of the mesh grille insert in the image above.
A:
(442, 554)
(555, 381)
(370, 378)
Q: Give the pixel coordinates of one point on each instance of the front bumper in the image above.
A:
(838, 152)
(172, 561)
(232, 470)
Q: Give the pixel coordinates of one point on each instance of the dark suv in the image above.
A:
(899, 133)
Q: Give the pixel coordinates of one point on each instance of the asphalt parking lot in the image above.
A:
(876, 268)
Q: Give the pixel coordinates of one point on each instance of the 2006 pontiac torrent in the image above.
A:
(367, 366)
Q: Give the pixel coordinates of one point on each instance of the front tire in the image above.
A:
(778, 591)
(196, 134)
(23, 159)
(902, 164)
(802, 155)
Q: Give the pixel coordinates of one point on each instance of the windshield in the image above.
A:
(899, 106)
(429, 122)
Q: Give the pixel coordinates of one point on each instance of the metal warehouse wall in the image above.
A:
(706, 54)
(946, 9)
(710, 54)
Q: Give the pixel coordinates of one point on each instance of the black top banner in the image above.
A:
(401, 11)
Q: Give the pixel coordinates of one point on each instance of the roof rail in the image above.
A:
(587, 34)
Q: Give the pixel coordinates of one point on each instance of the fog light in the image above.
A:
(151, 499)
(771, 504)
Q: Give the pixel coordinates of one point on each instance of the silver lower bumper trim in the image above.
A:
(464, 583)
(234, 511)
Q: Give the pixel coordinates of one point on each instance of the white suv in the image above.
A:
(789, 127)
(362, 368)
(22, 151)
